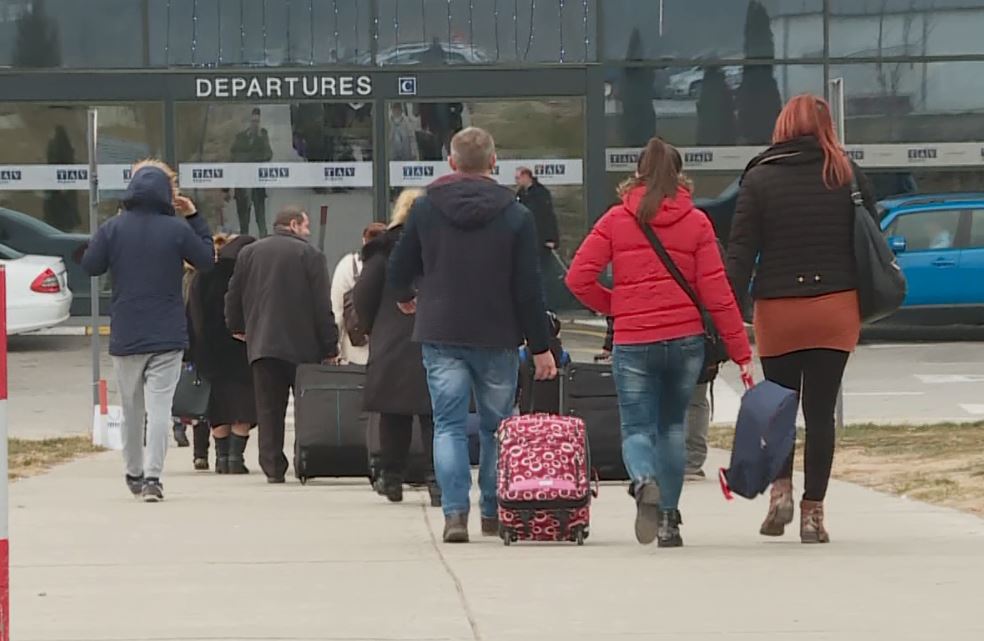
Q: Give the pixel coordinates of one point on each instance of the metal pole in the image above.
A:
(836, 95)
(94, 286)
(322, 231)
(4, 502)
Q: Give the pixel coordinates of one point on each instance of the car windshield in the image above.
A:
(9, 253)
(35, 224)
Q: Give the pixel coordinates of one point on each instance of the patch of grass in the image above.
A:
(942, 464)
(30, 458)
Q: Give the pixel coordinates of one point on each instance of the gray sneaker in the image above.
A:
(153, 491)
(135, 485)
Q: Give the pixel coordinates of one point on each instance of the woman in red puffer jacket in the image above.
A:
(659, 334)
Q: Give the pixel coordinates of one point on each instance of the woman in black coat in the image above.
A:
(221, 360)
(396, 384)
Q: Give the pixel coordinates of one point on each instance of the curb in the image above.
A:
(70, 331)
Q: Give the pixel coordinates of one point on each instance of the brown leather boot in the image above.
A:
(780, 509)
(811, 523)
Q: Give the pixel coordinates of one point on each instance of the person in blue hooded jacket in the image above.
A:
(145, 247)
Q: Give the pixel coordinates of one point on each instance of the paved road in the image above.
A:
(50, 383)
(889, 382)
(234, 558)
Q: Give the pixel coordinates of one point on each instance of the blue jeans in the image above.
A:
(452, 374)
(655, 382)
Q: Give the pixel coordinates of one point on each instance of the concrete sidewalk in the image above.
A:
(233, 558)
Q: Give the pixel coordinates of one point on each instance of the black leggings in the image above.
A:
(817, 375)
(395, 437)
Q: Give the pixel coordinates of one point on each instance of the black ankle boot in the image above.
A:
(222, 455)
(392, 487)
(435, 493)
(668, 534)
(237, 446)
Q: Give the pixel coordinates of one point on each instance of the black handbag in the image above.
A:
(881, 283)
(715, 351)
(191, 396)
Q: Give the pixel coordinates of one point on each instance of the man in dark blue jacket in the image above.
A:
(470, 250)
(145, 246)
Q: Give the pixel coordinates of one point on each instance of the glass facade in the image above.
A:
(708, 75)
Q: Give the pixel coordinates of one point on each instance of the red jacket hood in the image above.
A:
(670, 211)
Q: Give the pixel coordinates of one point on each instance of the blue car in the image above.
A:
(939, 242)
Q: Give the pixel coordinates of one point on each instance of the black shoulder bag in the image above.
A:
(881, 283)
(715, 351)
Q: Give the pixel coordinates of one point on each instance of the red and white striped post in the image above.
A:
(4, 547)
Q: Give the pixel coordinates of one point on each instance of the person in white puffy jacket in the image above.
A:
(342, 281)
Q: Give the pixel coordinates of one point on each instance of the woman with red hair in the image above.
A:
(793, 228)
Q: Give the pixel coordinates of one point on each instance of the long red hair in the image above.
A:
(809, 115)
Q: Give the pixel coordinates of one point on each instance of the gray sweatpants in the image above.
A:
(147, 383)
(698, 424)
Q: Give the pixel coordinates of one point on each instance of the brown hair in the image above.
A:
(288, 215)
(373, 230)
(660, 171)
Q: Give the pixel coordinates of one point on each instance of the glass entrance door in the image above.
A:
(541, 137)
(244, 162)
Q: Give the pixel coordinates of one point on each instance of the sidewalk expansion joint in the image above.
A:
(466, 607)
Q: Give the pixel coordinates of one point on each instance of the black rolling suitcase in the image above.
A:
(329, 424)
(590, 395)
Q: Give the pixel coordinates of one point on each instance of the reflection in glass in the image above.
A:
(705, 29)
(437, 32)
(895, 101)
(45, 134)
(286, 136)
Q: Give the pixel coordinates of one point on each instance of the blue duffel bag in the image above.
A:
(764, 437)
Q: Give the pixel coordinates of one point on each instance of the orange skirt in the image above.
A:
(786, 325)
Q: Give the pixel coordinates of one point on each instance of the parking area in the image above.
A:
(50, 383)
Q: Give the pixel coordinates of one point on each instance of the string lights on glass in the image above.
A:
(242, 33)
(194, 31)
(334, 5)
(471, 26)
(560, 24)
(167, 33)
(218, 30)
(264, 19)
(587, 32)
(529, 41)
(495, 20)
(311, 24)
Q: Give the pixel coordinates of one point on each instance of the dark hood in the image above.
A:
(798, 151)
(469, 202)
(150, 191)
(230, 251)
(382, 244)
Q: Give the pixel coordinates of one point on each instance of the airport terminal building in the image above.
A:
(359, 98)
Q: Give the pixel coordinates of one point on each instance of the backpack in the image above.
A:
(764, 437)
(357, 332)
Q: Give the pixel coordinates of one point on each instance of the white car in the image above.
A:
(37, 291)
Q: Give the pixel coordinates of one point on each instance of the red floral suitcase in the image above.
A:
(544, 481)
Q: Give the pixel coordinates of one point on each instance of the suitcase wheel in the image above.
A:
(507, 535)
(303, 480)
(579, 537)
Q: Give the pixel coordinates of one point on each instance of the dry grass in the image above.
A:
(941, 464)
(30, 458)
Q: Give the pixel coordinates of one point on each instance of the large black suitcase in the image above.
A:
(329, 424)
(590, 395)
